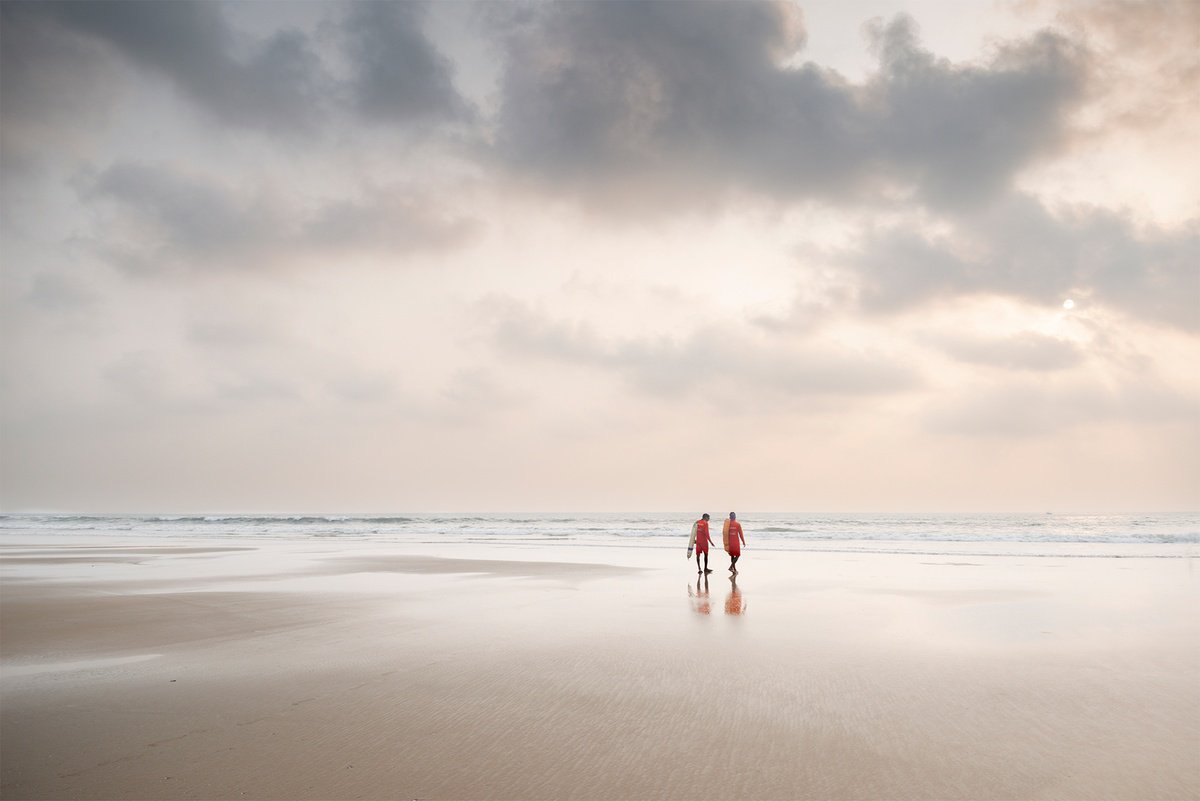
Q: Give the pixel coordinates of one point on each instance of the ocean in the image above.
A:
(1175, 535)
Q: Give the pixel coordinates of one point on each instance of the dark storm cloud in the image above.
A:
(697, 93)
(397, 72)
(1018, 248)
(186, 220)
(674, 368)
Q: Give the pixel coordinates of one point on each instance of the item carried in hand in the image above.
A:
(689, 556)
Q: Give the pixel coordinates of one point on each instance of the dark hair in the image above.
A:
(705, 515)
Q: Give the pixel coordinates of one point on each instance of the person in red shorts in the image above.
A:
(703, 540)
(736, 540)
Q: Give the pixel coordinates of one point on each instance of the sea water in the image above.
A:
(1173, 535)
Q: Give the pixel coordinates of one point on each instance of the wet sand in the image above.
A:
(297, 671)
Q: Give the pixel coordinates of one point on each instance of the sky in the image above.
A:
(880, 255)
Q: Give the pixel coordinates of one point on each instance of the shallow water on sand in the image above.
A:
(457, 670)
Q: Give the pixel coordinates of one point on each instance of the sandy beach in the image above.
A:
(295, 670)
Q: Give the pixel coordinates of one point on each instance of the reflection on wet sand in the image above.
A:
(735, 604)
(699, 597)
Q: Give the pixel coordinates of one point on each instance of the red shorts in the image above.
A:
(700, 550)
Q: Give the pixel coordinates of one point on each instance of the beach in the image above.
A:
(222, 669)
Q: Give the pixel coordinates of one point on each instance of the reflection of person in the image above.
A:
(734, 540)
(700, 602)
(734, 605)
(703, 540)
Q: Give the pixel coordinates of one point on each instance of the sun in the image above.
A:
(1068, 304)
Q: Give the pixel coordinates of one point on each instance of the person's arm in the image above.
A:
(742, 536)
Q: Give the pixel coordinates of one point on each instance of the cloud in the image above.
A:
(822, 295)
(470, 397)
(1019, 248)
(363, 388)
(176, 219)
(276, 83)
(280, 83)
(1147, 70)
(700, 97)
(746, 371)
(961, 132)
(675, 103)
(55, 89)
(1027, 350)
(232, 328)
(395, 218)
(158, 380)
(397, 73)
(1031, 408)
(55, 290)
(190, 218)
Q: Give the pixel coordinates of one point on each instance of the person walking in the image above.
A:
(734, 540)
(702, 540)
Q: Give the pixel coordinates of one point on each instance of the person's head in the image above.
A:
(733, 515)
(704, 516)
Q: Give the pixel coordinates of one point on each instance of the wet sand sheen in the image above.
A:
(416, 676)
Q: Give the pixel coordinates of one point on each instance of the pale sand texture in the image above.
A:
(297, 671)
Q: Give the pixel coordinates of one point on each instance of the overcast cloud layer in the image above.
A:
(599, 255)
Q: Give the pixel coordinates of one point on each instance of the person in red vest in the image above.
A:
(734, 540)
(702, 540)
